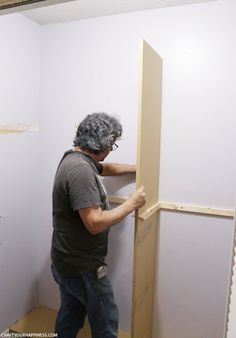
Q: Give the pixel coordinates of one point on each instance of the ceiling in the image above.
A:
(83, 9)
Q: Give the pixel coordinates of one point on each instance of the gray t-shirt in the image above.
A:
(77, 185)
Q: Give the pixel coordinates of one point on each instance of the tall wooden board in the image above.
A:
(148, 163)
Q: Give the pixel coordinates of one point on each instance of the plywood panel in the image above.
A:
(149, 124)
(42, 320)
(144, 277)
(148, 164)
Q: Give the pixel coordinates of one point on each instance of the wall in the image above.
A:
(19, 97)
(80, 74)
(91, 65)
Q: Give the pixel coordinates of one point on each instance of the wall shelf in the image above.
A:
(17, 128)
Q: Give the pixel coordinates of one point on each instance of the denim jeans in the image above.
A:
(86, 295)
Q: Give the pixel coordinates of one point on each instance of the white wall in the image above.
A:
(81, 74)
(19, 97)
(92, 65)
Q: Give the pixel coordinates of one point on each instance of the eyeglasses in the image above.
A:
(114, 146)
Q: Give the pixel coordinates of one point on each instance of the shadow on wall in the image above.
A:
(122, 185)
(120, 267)
(14, 313)
(48, 289)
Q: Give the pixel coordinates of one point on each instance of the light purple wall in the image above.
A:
(19, 103)
(92, 65)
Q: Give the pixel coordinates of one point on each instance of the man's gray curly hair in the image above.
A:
(97, 132)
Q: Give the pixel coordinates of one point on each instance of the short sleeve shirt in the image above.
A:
(77, 185)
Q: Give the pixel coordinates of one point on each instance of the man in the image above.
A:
(81, 222)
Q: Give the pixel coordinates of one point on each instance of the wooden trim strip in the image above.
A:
(195, 209)
(149, 212)
(17, 128)
(117, 199)
(4, 4)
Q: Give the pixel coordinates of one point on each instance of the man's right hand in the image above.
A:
(138, 198)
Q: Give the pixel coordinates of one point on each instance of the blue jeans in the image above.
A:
(86, 295)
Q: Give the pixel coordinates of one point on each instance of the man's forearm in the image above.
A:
(108, 218)
(97, 220)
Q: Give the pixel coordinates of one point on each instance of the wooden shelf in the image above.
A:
(17, 128)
